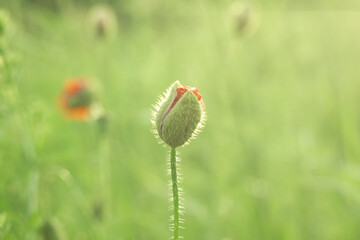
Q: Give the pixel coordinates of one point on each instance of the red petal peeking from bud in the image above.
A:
(180, 92)
(74, 85)
(75, 99)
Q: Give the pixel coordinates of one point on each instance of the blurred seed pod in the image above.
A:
(103, 22)
(98, 211)
(102, 122)
(4, 22)
(244, 18)
(52, 229)
(4, 27)
(48, 231)
(101, 118)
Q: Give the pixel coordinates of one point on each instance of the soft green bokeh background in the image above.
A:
(278, 158)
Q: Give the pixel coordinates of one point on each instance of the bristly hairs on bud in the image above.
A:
(155, 108)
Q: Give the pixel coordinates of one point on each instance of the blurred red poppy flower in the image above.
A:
(75, 99)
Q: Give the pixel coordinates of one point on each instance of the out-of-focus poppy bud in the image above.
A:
(102, 122)
(179, 114)
(48, 231)
(103, 21)
(76, 98)
(244, 18)
(4, 18)
(4, 31)
(101, 118)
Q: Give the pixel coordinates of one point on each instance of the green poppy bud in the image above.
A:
(103, 22)
(81, 98)
(244, 18)
(179, 115)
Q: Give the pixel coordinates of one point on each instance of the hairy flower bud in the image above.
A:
(179, 115)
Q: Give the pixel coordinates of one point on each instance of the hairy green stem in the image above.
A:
(175, 192)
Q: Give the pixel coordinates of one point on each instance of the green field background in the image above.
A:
(279, 157)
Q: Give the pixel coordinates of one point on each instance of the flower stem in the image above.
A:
(105, 181)
(175, 192)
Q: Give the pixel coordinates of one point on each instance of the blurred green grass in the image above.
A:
(278, 158)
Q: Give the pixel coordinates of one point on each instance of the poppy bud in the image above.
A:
(103, 21)
(48, 231)
(76, 99)
(179, 115)
(79, 98)
(244, 18)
